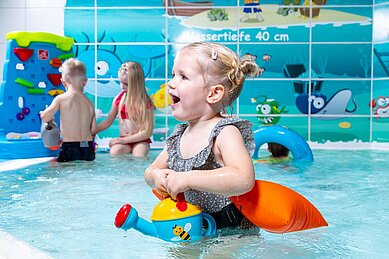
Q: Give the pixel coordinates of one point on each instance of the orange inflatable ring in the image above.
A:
(278, 209)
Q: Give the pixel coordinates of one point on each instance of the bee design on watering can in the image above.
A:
(181, 233)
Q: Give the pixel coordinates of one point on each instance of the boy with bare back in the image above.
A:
(77, 114)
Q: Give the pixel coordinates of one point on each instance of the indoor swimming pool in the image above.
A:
(67, 210)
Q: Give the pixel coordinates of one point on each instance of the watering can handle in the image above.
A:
(211, 230)
(158, 195)
(181, 201)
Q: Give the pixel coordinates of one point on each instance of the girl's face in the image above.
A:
(187, 89)
(122, 75)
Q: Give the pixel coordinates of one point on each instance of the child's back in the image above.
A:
(77, 116)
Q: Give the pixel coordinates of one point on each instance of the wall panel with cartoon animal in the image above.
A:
(316, 73)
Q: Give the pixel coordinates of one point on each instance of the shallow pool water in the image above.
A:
(67, 210)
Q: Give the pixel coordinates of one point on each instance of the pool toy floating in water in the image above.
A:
(176, 221)
(286, 137)
(278, 209)
(272, 206)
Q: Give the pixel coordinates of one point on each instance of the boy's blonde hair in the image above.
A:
(220, 65)
(139, 106)
(74, 72)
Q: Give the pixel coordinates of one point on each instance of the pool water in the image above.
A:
(67, 210)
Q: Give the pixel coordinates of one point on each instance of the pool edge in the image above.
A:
(21, 163)
(11, 247)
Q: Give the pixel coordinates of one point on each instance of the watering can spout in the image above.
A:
(127, 217)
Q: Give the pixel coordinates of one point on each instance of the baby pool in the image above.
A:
(67, 210)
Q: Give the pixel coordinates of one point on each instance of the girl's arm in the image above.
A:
(236, 177)
(139, 136)
(93, 124)
(109, 120)
(155, 175)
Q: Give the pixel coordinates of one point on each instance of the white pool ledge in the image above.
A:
(21, 163)
(11, 248)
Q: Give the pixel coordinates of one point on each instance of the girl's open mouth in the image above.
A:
(175, 99)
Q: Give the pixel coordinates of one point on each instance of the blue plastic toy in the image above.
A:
(174, 221)
(31, 80)
(286, 137)
(23, 148)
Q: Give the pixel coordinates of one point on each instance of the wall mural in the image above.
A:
(327, 80)
(380, 108)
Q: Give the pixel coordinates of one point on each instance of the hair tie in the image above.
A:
(248, 57)
(214, 54)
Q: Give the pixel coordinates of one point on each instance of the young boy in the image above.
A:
(279, 153)
(77, 114)
(277, 150)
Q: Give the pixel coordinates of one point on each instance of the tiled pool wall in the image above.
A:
(337, 61)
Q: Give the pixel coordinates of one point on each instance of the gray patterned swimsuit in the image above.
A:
(205, 160)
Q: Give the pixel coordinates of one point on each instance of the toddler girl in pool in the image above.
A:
(135, 111)
(209, 157)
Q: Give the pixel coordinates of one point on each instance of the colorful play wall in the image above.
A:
(326, 63)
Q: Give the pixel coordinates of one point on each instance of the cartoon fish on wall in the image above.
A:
(380, 107)
(266, 108)
(336, 106)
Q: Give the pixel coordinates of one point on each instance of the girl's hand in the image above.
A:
(160, 176)
(115, 141)
(176, 183)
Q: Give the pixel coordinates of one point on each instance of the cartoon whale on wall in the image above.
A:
(108, 63)
(148, 54)
(107, 67)
(336, 106)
